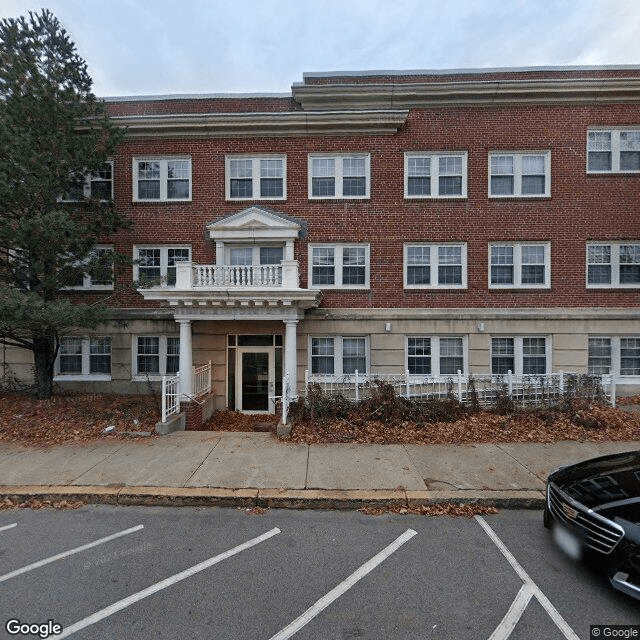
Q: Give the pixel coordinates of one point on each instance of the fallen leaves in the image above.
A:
(75, 418)
(442, 509)
(236, 421)
(598, 423)
(33, 503)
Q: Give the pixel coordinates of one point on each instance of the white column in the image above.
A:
(290, 354)
(186, 358)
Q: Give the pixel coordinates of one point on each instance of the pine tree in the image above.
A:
(53, 133)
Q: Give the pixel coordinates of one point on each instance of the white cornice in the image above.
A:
(405, 95)
(272, 124)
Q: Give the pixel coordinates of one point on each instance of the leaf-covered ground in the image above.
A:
(597, 423)
(84, 418)
(75, 418)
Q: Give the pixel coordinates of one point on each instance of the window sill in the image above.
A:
(450, 197)
(337, 198)
(519, 287)
(418, 287)
(268, 199)
(612, 286)
(94, 377)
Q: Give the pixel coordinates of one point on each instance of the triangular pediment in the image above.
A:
(253, 222)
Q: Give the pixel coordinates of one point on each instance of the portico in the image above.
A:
(254, 279)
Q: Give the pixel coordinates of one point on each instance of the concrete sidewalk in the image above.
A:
(255, 469)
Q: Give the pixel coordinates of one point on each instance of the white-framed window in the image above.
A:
(519, 265)
(81, 358)
(101, 280)
(254, 254)
(162, 179)
(520, 175)
(435, 356)
(435, 266)
(613, 151)
(613, 264)
(617, 355)
(338, 355)
(339, 175)
(256, 177)
(334, 266)
(155, 356)
(435, 174)
(522, 355)
(97, 184)
(156, 265)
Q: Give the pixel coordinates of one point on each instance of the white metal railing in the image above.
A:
(523, 390)
(260, 275)
(171, 392)
(170, 396)
(201, 380)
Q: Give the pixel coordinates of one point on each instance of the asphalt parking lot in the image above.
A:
(136, 572)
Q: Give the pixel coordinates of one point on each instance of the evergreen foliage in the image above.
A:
(53, 133)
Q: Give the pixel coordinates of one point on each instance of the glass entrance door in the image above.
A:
(255, 379)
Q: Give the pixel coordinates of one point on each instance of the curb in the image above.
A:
(271, 498)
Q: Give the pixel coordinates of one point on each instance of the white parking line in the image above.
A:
(345, 585)
(65, 554)
(163, 584)
(9, 526)
(529, 589)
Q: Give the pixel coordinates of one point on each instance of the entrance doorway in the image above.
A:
(254, 372)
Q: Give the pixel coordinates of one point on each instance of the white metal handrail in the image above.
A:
(201, 380)
(170, 396)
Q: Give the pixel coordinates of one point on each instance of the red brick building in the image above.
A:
(429, 222)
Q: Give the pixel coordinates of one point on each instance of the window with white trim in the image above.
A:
(522, 355)
(617, 355)
(435, 174)
(101, 279)
(519, 265)
(431, 265)
(613, 151)
(339, 176)
(339, 266)
(83, 358)
(156, 265)
(339, 355)
(97, 184)
(155, 356)
(436, 356)
(520, 175)
(261, 177)
(613, 264)
(162, 179)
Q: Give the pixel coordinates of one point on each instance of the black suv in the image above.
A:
(594, 508)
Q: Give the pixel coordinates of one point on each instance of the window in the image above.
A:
(81, 358)
(339, 355)
(339, 266)
(155, 356)
(435, 175)
(519, 265)
(522, 355)
(256, 177)
(339, 176)
(520, 175)
(615, 355)
(435, 356)
(613, 151)
(254, 254)
(101, 277)
(442, 266)
(157, 265)
(613, 265)
(97, 184)
(161, 179)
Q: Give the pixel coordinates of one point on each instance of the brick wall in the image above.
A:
(581, 207)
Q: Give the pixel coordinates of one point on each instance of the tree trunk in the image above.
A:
(44, 353)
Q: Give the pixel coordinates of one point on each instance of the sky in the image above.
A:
(157, 47)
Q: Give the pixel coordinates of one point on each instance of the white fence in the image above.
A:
(522, 390)
(171, 392)
(261, 275)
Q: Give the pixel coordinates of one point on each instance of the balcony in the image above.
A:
(261, 288)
